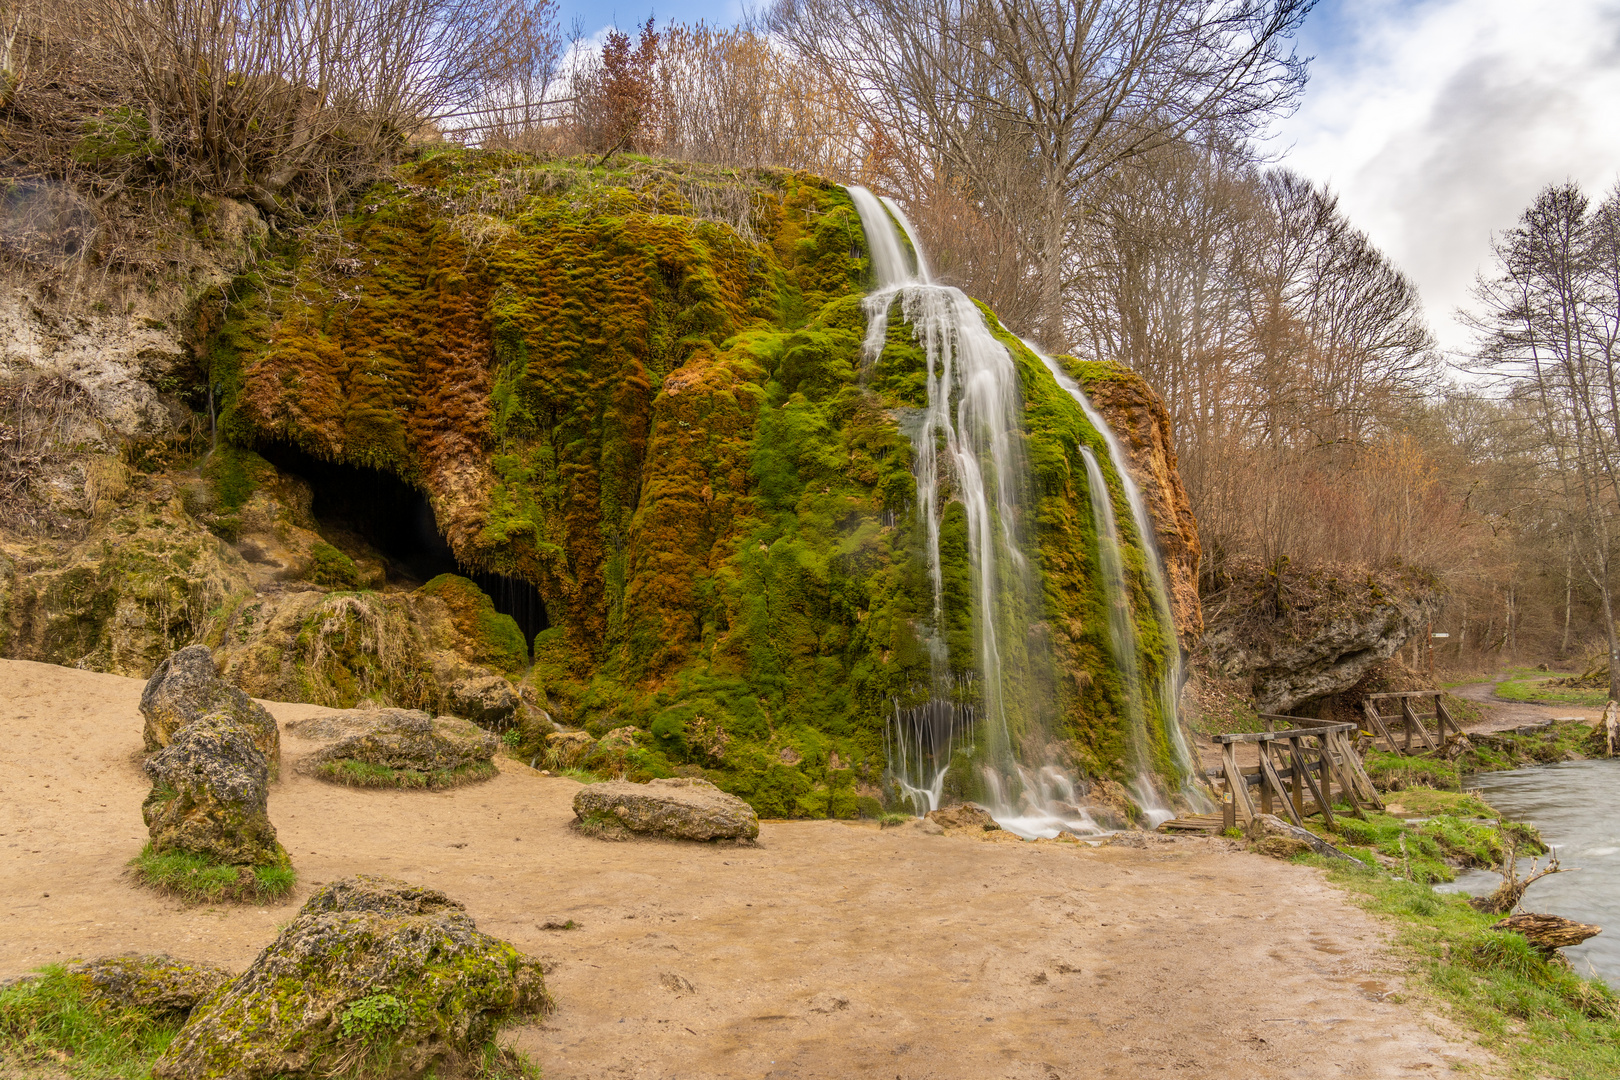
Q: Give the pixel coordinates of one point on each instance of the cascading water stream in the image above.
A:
(1170, 686)
(964, 448)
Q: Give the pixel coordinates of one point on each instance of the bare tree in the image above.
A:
(1032, 101)
(1549, 321)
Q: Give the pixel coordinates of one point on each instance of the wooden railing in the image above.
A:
(1310, 756)
(1410, 720)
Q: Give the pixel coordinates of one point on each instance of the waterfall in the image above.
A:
(1169, 688)
(964, 452)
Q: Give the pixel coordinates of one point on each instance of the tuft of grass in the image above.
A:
(584, 776)
(197, 879)
(602, 827)
(890, 820)
(351, 773)
(55, 1018)
(1538, 1015)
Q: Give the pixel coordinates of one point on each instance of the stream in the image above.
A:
(1573, 804)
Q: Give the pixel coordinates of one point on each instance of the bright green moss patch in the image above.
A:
(494, 638)
(196, 879)
(331, 567)
(1539, 1016)
(366, 774)
(1537, 686)
(55, 1019)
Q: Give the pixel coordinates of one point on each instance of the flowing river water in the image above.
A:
(1573, 804)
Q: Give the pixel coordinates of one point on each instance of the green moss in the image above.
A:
(331, 567)
(494, 639)
(196, 879)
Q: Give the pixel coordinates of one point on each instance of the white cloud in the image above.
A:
(1438, 122)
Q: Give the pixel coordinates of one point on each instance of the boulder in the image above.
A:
(970, 817)
(401, 740)
(156, 982)
(1273, 836)
(372, 972)
(682, 808)
(187, 685)
(489, 702)
(209, 795)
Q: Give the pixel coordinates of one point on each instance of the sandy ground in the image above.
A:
(828, 950)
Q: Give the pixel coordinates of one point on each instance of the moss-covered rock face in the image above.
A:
(661, 416)
(187, 686)
(209, 795)
(162, 984)
(374, 977)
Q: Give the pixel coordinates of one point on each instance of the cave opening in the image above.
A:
(359, 507)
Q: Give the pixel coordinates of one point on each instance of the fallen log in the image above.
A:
(1548, 933)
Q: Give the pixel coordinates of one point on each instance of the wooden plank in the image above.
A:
(1445, 716)
(1413, 722)
(1325, 765)
(1296, 788)
(1347, 783)
(1275, 784)
(1378, 725)
(1310, 782)
(1305, 724)
(1235, 782)
(1363, 782)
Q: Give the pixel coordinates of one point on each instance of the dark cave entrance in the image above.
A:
(358, 507)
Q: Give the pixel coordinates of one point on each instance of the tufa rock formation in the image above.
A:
(209, 795)
(968, 817)
(679, 809)
(374, 975)
(187, 686)
(399, 741)
(155, 982)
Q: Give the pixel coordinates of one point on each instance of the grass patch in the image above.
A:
(197, 879)
(602, 827)
(351, 773)
(1539, 1016)
(1535, 688)
(54, 1018)
(1397, 772)
(1426, 802)
(584, 776)
(890, 820)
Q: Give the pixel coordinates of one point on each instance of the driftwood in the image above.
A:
(1611, 727)
(1548, 933)
(1511, 891)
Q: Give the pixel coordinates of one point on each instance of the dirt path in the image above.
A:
(1501, 714)
(829, 950)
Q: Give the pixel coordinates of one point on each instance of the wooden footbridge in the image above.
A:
(1294, 773)
(1410, 721)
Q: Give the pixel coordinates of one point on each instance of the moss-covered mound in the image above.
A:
(659, 414)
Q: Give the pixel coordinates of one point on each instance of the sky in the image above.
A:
(1436, 121)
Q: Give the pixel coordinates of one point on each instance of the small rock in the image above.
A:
(209, 795)
(969, 816)
(569, 749)
(1270, 827)
(437, 990)
(160, 983)
(488, 702)
(927, 827)
(186, 686)
(1281, 847)
(683, 808)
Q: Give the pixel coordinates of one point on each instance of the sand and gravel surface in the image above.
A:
(830, 949)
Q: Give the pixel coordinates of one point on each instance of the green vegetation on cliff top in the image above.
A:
(660, 414)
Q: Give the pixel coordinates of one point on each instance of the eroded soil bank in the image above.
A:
(829, 950)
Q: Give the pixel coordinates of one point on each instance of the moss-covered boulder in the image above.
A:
(158, 983)
(398, 748)
(680, 808)
(187, 686)
(374, 977)
(488, 702)
(209, 795)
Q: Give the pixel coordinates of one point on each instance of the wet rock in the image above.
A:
(372, 970)
(186, 686)
(1273, 836)
(568, 749)
(488, 702)
(1110, 805)
(682, 808)
(156, 982)
(402, 740)
(970, 817)
(209, 795)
